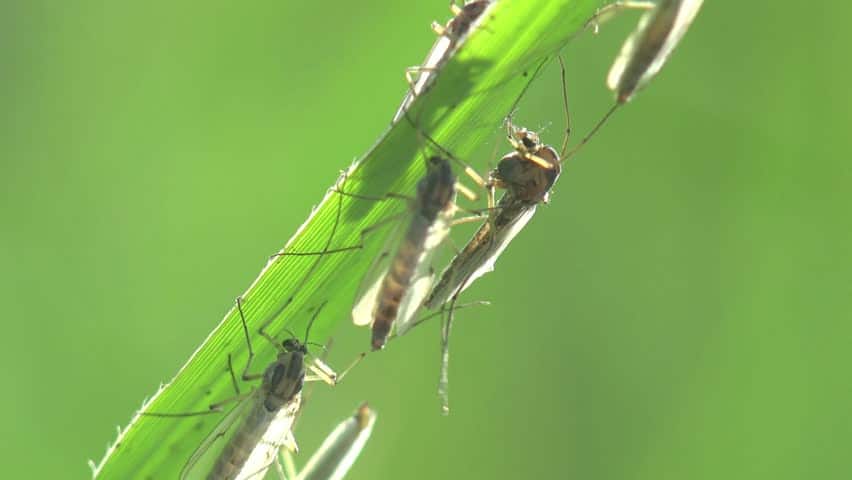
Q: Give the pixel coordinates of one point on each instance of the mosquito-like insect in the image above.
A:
(450, 37)
(338, 451)
(400, 277)
(395, 294)
(529, 172)
(267, 417)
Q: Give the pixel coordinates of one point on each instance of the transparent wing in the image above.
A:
(278, 434)
(366, 298)
(204, 455)
(424, 275)
(502, 238)
(478, 257)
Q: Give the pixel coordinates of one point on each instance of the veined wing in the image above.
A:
(205, 455)
(424, 275)
(363, 313)
(481, 252)
(397, 292)
(368, 292)
(274, 429)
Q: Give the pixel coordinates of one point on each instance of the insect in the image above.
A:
(267, 412)
(395, 294)
(529, 172)
(338, 451)
(450, 37)
(527, 175)
(400, 277)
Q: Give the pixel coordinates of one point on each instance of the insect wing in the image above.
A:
(277, 435)
(503, 236)
(368, 293)
(424, 275)
(203, 457)
(646, 50)
(480, 259)
(341, 448)
(362, 312)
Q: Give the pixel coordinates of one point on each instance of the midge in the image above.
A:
(393, 297)
(398, 280)
(529, 172)
(527, 175)
(267, 418)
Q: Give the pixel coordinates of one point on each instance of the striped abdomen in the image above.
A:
(236, 453)
(398, 279)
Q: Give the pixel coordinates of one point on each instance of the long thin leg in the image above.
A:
(246, 376)
(217, 407)
(309, 273)
(432, 315)
(413, 76)
(443, 377)
(214, 408)
(607, 12)
(468, 170)
(466, 192)
(592, 133)
(321, 371)
(463, 220)
(382, 198)
(359, 246)
(565, 107)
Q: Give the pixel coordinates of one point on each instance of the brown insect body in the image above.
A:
(435, 193)
(280, 393)
(458, 26)
(527, 183)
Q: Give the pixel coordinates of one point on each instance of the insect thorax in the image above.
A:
(283, 379)
(525, 179)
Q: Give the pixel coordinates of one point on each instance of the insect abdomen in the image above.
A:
(239, 448)
(398, 280)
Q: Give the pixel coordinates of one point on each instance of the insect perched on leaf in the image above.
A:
(529, 172)
(263, 418)
(403, 275)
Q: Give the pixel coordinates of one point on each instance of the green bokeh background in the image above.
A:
(680, 310)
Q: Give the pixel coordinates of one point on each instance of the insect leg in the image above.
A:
(608, 12)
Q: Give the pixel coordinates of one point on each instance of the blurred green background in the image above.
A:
(680, 310)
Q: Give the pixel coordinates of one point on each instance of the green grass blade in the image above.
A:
(475, 88)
